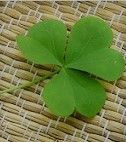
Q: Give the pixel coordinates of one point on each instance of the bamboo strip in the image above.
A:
(2, 139)
(22, 66)
(84, 6)
(34, 6)
(108, 105)
(37, 108)
(110, 7)
(113, 115)
(9, 52)
(121, 84)
(29, 76)
(21, 134)
(38, 119)
(51, 132)
(122, 3)
(109, 87)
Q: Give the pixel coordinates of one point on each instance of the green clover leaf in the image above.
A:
(87, 50)
(43, 44)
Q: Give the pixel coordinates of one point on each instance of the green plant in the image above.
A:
(85, 51)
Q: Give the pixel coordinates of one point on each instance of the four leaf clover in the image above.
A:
(86, 51)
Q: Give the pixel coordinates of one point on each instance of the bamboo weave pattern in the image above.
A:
(23, 116)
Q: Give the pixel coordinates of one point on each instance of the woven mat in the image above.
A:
(23, 116)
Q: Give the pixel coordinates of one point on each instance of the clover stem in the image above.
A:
(28, 83)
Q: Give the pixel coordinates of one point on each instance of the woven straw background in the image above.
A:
(23, 116)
